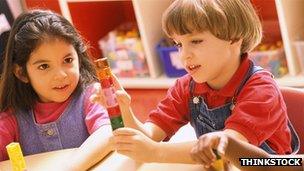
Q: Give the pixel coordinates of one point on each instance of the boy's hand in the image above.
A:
(134, 144)
(203, 153)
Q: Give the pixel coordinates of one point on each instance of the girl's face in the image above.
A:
(207, 58)
(53, 70)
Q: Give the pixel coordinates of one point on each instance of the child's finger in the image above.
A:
(124, 131)
(94, 98)
(123, 140)
(204, 159)
(195, 155)
(116, 83)
(98, 99)
(209, 153)
(96, 88)
(123, 97)
(205, 152)
(221, 148)
(97, 95)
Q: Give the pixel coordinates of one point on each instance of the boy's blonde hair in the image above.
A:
(229, 20)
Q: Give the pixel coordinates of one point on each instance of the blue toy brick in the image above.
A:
(164, 54)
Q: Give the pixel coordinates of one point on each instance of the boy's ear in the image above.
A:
(18, 73)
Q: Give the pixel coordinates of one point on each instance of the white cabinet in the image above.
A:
(290, 13)
(148, 17)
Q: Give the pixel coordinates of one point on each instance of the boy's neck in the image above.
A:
(225, 75)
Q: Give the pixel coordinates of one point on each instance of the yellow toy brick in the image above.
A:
(218, 165)
(16, 156)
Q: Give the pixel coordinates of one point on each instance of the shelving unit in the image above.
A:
(291, 24)
(281, 20)
(148, 17)
(164, 82)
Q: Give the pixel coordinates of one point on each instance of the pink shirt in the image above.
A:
(95, 117)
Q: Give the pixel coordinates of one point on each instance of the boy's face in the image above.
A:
(207, 58)
(53, 70)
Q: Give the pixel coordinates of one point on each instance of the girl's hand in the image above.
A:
(122, 96)
(123, 100)
(134, 144)
(203, 153)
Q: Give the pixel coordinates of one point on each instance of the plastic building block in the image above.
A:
(16, 156)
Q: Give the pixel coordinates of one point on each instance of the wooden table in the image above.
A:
(113, 162)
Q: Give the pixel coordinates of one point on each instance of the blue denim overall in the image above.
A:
(205, 120)
(68, 131)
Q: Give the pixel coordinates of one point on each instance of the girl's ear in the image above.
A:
(18, 73)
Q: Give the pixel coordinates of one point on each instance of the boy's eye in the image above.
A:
(68, 60)
(43, 66)
(178, 45)
(196, 41)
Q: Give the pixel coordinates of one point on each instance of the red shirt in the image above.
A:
(260, 112)
(95, 117)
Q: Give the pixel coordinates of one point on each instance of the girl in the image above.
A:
(223, 90)
(45, 90)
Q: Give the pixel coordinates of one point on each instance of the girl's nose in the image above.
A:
(60, 74)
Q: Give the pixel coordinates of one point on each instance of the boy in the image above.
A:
(222, 90)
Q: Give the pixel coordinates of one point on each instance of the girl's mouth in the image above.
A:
(61, 87)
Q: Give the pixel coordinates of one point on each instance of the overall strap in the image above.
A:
(251, 70)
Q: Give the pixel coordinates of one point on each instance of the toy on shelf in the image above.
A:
(125, 52)
(104, 74)
(271, 56)
(16, 156)
(170, 59)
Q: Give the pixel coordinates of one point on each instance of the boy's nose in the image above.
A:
(184, 55)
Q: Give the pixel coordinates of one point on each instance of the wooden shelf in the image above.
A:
(147, 14)
(291, 81)
(164, 82)
(161, 82)
(289, 13)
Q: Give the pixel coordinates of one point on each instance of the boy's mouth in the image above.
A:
(193, 67)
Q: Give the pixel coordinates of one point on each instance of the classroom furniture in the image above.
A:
(112, 162)
(294, 99)
(281, 20)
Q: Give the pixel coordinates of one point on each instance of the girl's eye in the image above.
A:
(68, 60)
(196, 41)
(43, 66)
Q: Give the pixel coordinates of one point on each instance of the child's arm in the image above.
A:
(95, 148)
(149, 129)
(232, 149)
(138, 146)
(129, 119)
(142, 145)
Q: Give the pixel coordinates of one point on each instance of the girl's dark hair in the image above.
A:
(29, 30)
